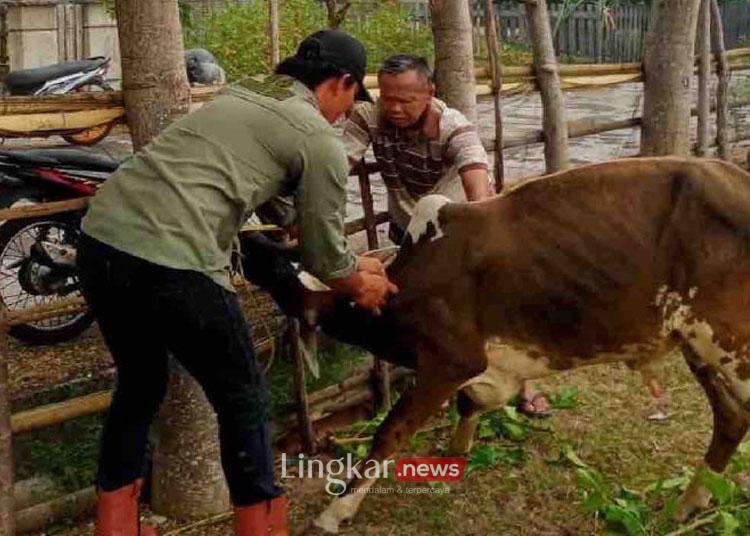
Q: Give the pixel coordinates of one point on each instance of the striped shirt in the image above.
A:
(414, 166)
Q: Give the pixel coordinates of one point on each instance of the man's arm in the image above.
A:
(320, 200)
(465, 151)
(476, 182)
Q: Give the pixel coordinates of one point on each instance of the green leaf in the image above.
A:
(572, 457)
(727, 524)
(565, 399)
(625, 516)
(721, 488)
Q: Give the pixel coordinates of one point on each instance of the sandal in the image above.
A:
(529, 407)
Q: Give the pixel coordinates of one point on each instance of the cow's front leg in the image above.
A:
(410, 412)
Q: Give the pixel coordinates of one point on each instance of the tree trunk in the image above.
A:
(188, 481)
(7, 509)
(154, 82)
(722, 89)
(704, 77)
(548, 78)
(454, 55)
(336, 13)
(668, 71)
(496, 73)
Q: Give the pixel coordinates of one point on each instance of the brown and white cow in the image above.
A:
(620, 261)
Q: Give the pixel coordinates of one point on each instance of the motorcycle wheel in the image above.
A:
(89, 136)
(18, 289)
(93, 135)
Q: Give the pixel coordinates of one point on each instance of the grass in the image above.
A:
(529, 477)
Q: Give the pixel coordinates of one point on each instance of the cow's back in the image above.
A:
(572, 263)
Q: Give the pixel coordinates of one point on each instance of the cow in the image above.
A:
(620, 261)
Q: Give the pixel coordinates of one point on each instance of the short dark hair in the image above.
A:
(312, 73)
(401, 63)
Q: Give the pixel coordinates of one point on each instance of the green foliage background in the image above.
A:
(238, 35)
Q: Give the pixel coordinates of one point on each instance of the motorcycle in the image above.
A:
(37, 255)
(90, 75)
(61, 79)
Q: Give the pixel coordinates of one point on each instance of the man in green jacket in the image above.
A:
(154, 263)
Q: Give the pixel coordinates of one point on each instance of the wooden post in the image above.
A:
(4, 60)
(300, 389)
(7, 509)
(548, 78)
(704, 76)
(380, 370)
(722, 90)
(273, 33)
(496, 66)
(367, 206)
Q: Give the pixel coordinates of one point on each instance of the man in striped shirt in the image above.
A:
(422, 147)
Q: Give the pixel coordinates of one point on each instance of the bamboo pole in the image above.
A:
(7, 509)
(56, 121)
(358, 377)
(33, 491)
(704, 76)
(273, 32)
(4, 60)
(76, 102)
(70, 306)
(585, 127)
(43, 209)
(496, 74)
(722, 90)
(23, 105)
(38, 516)
(67, 410)
(74, 408)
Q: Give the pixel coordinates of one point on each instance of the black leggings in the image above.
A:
(146, 312)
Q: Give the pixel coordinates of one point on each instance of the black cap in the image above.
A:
(341, 50)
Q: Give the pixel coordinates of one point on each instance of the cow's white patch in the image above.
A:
(678, 316)
(342, 508)
(509, 366)
(426, 211)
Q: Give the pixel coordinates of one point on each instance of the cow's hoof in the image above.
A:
(695, 498)
(312, 530)
(325, 524)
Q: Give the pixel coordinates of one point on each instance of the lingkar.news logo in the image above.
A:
(340, 470)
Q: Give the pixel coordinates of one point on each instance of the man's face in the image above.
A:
(336, 97)
(404, 97)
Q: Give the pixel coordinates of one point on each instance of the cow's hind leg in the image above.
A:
(486, 392)
(730, 426)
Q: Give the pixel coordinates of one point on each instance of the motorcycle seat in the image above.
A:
(66, 158)
(27, 81)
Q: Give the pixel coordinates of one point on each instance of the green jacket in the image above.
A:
(182, 199)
